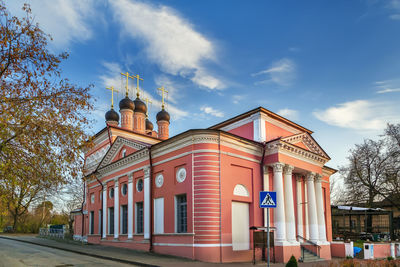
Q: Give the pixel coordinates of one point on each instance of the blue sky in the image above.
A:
(331, 66)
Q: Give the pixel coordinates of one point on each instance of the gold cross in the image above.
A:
(162, 89)
(112, 95)
(127, 77)
(137, 85)
(147, 100)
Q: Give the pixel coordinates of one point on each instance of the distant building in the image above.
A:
(196, 194)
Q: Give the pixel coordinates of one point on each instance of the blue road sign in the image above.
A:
(267, 199)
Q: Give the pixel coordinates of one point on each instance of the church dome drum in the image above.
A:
(112, 115)
(149, 125)
(140, 106)
(126, 103)
(163, 115)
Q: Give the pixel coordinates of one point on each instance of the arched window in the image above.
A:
(240, 190)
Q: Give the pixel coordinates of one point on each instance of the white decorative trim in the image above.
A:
(308, 141)
(181, 175)
(240, 190)
(116, 146)
(237, 124)
(159, 180)
(283, 147)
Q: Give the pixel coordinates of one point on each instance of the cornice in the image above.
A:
(308, 141)
(116, 146)
(283, 147)
(129, 160)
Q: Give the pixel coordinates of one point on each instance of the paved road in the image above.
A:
(15, 254)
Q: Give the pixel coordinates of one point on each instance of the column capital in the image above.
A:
(104, 186)
(265, 169)
(310, 176)
(130, 178)
(116, 182)
(299, 177)
(288, 169)
(318, 178)
(146, 171)
(278, 166)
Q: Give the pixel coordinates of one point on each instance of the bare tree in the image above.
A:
(373, 170)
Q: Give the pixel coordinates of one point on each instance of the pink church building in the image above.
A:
(196, 194)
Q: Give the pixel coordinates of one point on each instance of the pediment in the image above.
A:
(306, 141)
(116, 148)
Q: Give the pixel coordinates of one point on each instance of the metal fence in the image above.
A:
(55, 233)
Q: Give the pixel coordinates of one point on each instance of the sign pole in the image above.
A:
(268, 237)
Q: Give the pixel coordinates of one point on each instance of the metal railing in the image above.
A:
(305, 242)
(56, 233)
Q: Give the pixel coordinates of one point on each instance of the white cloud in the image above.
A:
(388, 86)
(281, 72)
(395, 17)
(170, 40)
(211, 111)
(174, 90)
(66, 21)
(360, 114)
(237, 98)
(388, 90)
(291, 114)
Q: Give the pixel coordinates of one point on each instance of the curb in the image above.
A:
(84, 253)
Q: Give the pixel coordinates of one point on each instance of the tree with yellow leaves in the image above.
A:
(42, 118)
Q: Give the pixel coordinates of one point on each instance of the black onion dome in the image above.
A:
(163, 115)
(126, 103)
(149, 125)
(140, 106)
(112, 115)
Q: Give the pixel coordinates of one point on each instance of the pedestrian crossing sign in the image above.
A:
(267, 199)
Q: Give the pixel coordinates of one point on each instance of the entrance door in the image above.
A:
(240, 226)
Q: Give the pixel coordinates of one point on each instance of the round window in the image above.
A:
(111, 192)
(159, 180)
(181, 175)
(139, 185)
(124, 189)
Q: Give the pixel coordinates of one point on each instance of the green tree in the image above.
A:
(42, 118)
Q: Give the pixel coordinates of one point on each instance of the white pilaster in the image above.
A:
(299, 206)
(312, 208)
(279, 211)
(130, 206)
(259, 128)
(104, 211)
(306, 211)
(289, 204)
(116, 208)
(266, 188)
(147, 203)
(320, 208)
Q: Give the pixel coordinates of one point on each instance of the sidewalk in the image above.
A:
(134, 257)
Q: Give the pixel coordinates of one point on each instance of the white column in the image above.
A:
(299, 206)
(279, 211)
(130, 205)
(147, 203)
(306, 211)
(289, 204)
(266, 188)
(312, 208)
(320, 209)
(116, 208)
(104, 211)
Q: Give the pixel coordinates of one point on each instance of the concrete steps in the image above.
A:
(309, 256)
